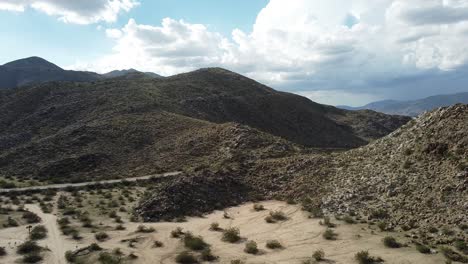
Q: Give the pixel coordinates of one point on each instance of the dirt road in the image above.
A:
(83, 184)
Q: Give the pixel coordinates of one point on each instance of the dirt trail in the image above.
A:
(83, 184)
(57, 244)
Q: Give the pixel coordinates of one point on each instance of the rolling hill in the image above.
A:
(74, 131)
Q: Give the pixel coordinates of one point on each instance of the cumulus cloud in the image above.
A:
(74, 11)
(351, 50)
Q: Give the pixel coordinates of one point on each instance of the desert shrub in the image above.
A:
(28, 247)
(269, 219)
(120, 227)
(251, 247)
(31, 217)
(379, 214)
(38, 232)
(113, 214)
(215, 227)
(382, 226)
(329, 234)
(12, 222)
(433, 229)
(207, 255)
(193, 242)
(364, 257)
(144, 229)
(70, 256)
(94, 247)
(34, 257)
(231, 235)
(390, 242)
(349, 220)
(158, 244)
(423, 249)
(75, 234)
(63, 221)
(258, 207)
(461, 245)
(101, 236)
(453, 255)
(108, 258)
(186, 258)
(177, 232)
(237, 261)
(318, 255)
(327, 222)
(273, 244)
(278, 216)
(2, 251)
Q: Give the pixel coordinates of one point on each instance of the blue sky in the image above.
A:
(335, 52)
(32, 32)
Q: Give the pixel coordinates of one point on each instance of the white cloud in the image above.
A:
(360, 46)
(74, 11)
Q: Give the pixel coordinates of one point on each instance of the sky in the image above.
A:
(338, 52)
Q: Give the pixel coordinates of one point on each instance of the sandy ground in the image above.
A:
(299, 235)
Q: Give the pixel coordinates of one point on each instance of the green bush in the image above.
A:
(318, 255)
(278, 216)
(70, 256)
(144, 229)
(108, 258)
(34, 257)
(327, 222)
(38, 232)
(237, 261)
(349, 220)
(364, 257)
(231, 235)
(273, 244)
(194, 243)
(31, 217)
(453, 255)
(423, 249)
(329, 234)
(94, 247)
(258, 207)
(28, 247)
(215, 227)
(251, 247)
(101, 236)
(158, 244)
(177, 232)
(206, 255)
(186, 258)
(2, 251)
(390, 242)
(12, 222)
(461, 245)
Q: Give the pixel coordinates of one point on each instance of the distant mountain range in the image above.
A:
(414, 107)
(37, 70)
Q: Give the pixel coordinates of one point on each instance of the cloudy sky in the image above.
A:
(335, 51)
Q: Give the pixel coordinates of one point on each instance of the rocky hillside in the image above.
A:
(416, 176)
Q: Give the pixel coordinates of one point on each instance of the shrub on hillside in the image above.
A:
(34, 257)
(364, 257)
(318, 255)
(101, 236)
(28, 247)
(258, 207)
(186, 258)
(193, 242)
(31, 217)
(251, 247)
(423, 249)
(273, 244)
(2, 251)
(390, 242)
(231, 235)
(329, 234)
(38, 232)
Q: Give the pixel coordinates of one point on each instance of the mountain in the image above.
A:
(130, 73)
(37, 70)
(415, 107)
(66, 131)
